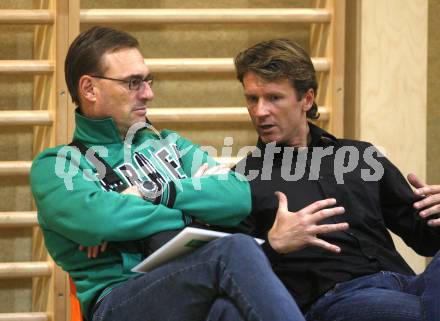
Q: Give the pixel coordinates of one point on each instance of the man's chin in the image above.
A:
(268, 138)
(140, 119)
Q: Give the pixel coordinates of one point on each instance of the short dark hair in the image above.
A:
(278, 59)
(85, 53)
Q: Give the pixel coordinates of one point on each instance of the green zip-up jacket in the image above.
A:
(75, 207)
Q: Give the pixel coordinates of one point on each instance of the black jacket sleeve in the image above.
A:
(397, 199)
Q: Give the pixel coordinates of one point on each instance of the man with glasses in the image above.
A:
(120, 180)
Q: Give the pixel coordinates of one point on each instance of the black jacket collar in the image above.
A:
(318, 137)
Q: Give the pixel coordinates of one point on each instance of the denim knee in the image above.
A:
(240, 245)
(436, 257)
(433, 267)
(240, 242)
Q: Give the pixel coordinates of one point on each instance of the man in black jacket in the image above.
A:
(355, 274)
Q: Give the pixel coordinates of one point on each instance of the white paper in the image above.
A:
(189, 239)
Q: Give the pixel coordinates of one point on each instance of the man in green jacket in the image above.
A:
(153, 182)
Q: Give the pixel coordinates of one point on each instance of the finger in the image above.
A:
(216, 170)
(325, 245)
(81, 248)
(95, 251)
(415, 181)
(92, 251)
(282, 201)
(104, 246)
(421, 188)
(201, 170)
(222, 171)
(428, 190)
(127, 190)
(219, 168)
(326, 213)
(131, 190)
(433, 210)
(319, 205)
(434, 223)
(427, 202)
(329, 228)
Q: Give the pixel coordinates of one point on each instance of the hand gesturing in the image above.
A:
(293, 231)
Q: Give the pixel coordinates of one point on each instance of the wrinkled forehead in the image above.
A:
(123, 63)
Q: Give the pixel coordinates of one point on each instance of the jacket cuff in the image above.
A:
(168, 195)
(171, 187)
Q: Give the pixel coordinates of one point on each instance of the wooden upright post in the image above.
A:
(328, 40)
(51, 43)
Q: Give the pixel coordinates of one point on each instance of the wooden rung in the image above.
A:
(37, 16)
(29, 316)
(26, 66)
(25, 117)
(15, 168)
(203, 114)
(190, 65)
(211, 65)
(208, 114)
(25, 269)
(324, 113)
(98, 16)
(321, 64)
(156, 65)
(18, 219)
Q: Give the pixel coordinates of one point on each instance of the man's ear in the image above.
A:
(308, 99)
(86, 88)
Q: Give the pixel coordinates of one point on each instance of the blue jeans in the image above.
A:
(222, 310)
(384, 296)
(227, 279)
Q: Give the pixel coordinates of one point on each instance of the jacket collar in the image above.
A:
(95, 131)
(318, 137)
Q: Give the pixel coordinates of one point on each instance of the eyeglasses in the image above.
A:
(134, 83)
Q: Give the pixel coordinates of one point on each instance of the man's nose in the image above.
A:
(146, 92)
(261, 108)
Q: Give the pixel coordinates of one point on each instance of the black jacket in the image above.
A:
(373, 203)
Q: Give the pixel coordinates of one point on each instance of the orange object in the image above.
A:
(75, 308)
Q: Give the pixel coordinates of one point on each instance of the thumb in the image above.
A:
(282, 201)
(201, 170)
(415, 181)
